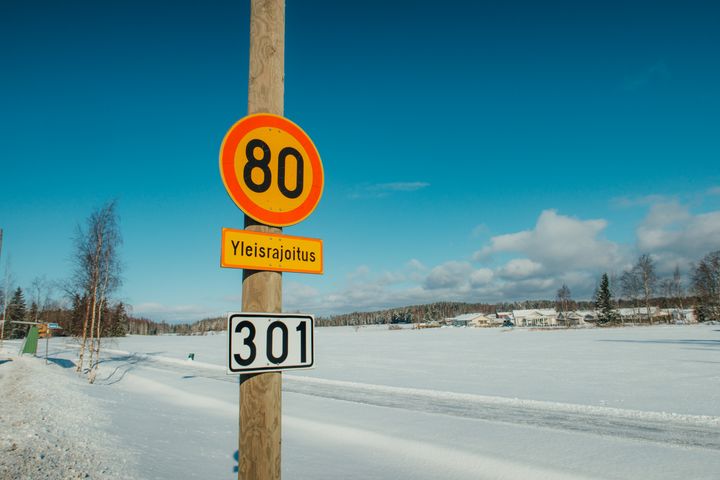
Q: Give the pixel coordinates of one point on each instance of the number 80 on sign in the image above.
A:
(271, 169)
(262, 342)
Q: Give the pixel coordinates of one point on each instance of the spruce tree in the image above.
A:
(17, 310)
(603, 302)
(706, 286)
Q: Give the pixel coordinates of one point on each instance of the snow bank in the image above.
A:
(50, 429)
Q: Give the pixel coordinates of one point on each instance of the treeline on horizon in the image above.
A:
(407, 314)
(119, 322)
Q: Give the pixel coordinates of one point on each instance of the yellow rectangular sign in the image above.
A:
(268, 251)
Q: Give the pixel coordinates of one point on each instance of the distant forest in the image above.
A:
(118, 322)
(410, 314)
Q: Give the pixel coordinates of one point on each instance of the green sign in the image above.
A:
(31, 340)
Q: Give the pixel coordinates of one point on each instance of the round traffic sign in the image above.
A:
(271, 169)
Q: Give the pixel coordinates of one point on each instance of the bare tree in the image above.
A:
(110, 281)
(666, 288)
(631, 286)
(96, 272)
(646, 273)
(7, 286)
(40, 289)
(678, 290)
(614, 287)
(673, 293)
(4, 292)
(563, 301)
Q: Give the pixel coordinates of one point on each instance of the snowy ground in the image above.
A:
(424, 404)
(50, 429)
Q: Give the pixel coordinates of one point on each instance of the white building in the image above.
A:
(678, 315)
(577, 318)
(639, 314)
(472, 320)
(539, 317)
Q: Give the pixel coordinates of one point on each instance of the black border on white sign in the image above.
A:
(307, 316)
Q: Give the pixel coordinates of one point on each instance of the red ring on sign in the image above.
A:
(230, 179)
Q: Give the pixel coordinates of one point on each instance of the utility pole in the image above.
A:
(261, 394)
(5, 293)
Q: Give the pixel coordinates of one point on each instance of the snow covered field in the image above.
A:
(447, 403)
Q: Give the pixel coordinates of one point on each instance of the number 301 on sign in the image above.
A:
(262, 342)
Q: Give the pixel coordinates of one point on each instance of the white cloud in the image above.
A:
(558, 242)
(520, 268)
(559, 249)
(416, 270)
(530, 288)
(297, 295)
(449, 275)
(675, 236)
(359, 274)
(714, 191)
(661, 226)
(456, 277)
(480, 277)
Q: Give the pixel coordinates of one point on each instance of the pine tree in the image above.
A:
(603, 302)
(118, 327)
(706, 286)
(17, 310)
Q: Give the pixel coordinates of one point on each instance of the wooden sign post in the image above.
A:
(273, 172)
(261, 394)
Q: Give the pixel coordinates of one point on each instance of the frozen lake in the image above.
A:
(457, 403)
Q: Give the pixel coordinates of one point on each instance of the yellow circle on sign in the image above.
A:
(271, 169)
(285, 179)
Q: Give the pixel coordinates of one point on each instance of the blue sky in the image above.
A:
(480, 151)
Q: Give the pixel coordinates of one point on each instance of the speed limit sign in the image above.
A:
(261, 342)
(271, 169)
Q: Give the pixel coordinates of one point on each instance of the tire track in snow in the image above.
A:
(666, 428)
(694, 431)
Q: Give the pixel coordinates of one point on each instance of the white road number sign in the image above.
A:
(262, 342)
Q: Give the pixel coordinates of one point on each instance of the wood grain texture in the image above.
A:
(266, 82)
(260, 426)
(261, 394)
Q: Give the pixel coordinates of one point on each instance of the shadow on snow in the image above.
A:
(711, 343)
(64, 363)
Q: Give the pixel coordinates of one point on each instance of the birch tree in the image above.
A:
(646, 273)
(563, 301)
(6, 287)
(678, 290)
(97, 273)
(630, 286)
(110, 280)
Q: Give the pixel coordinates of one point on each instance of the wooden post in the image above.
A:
(261, 394)
(5, 293)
